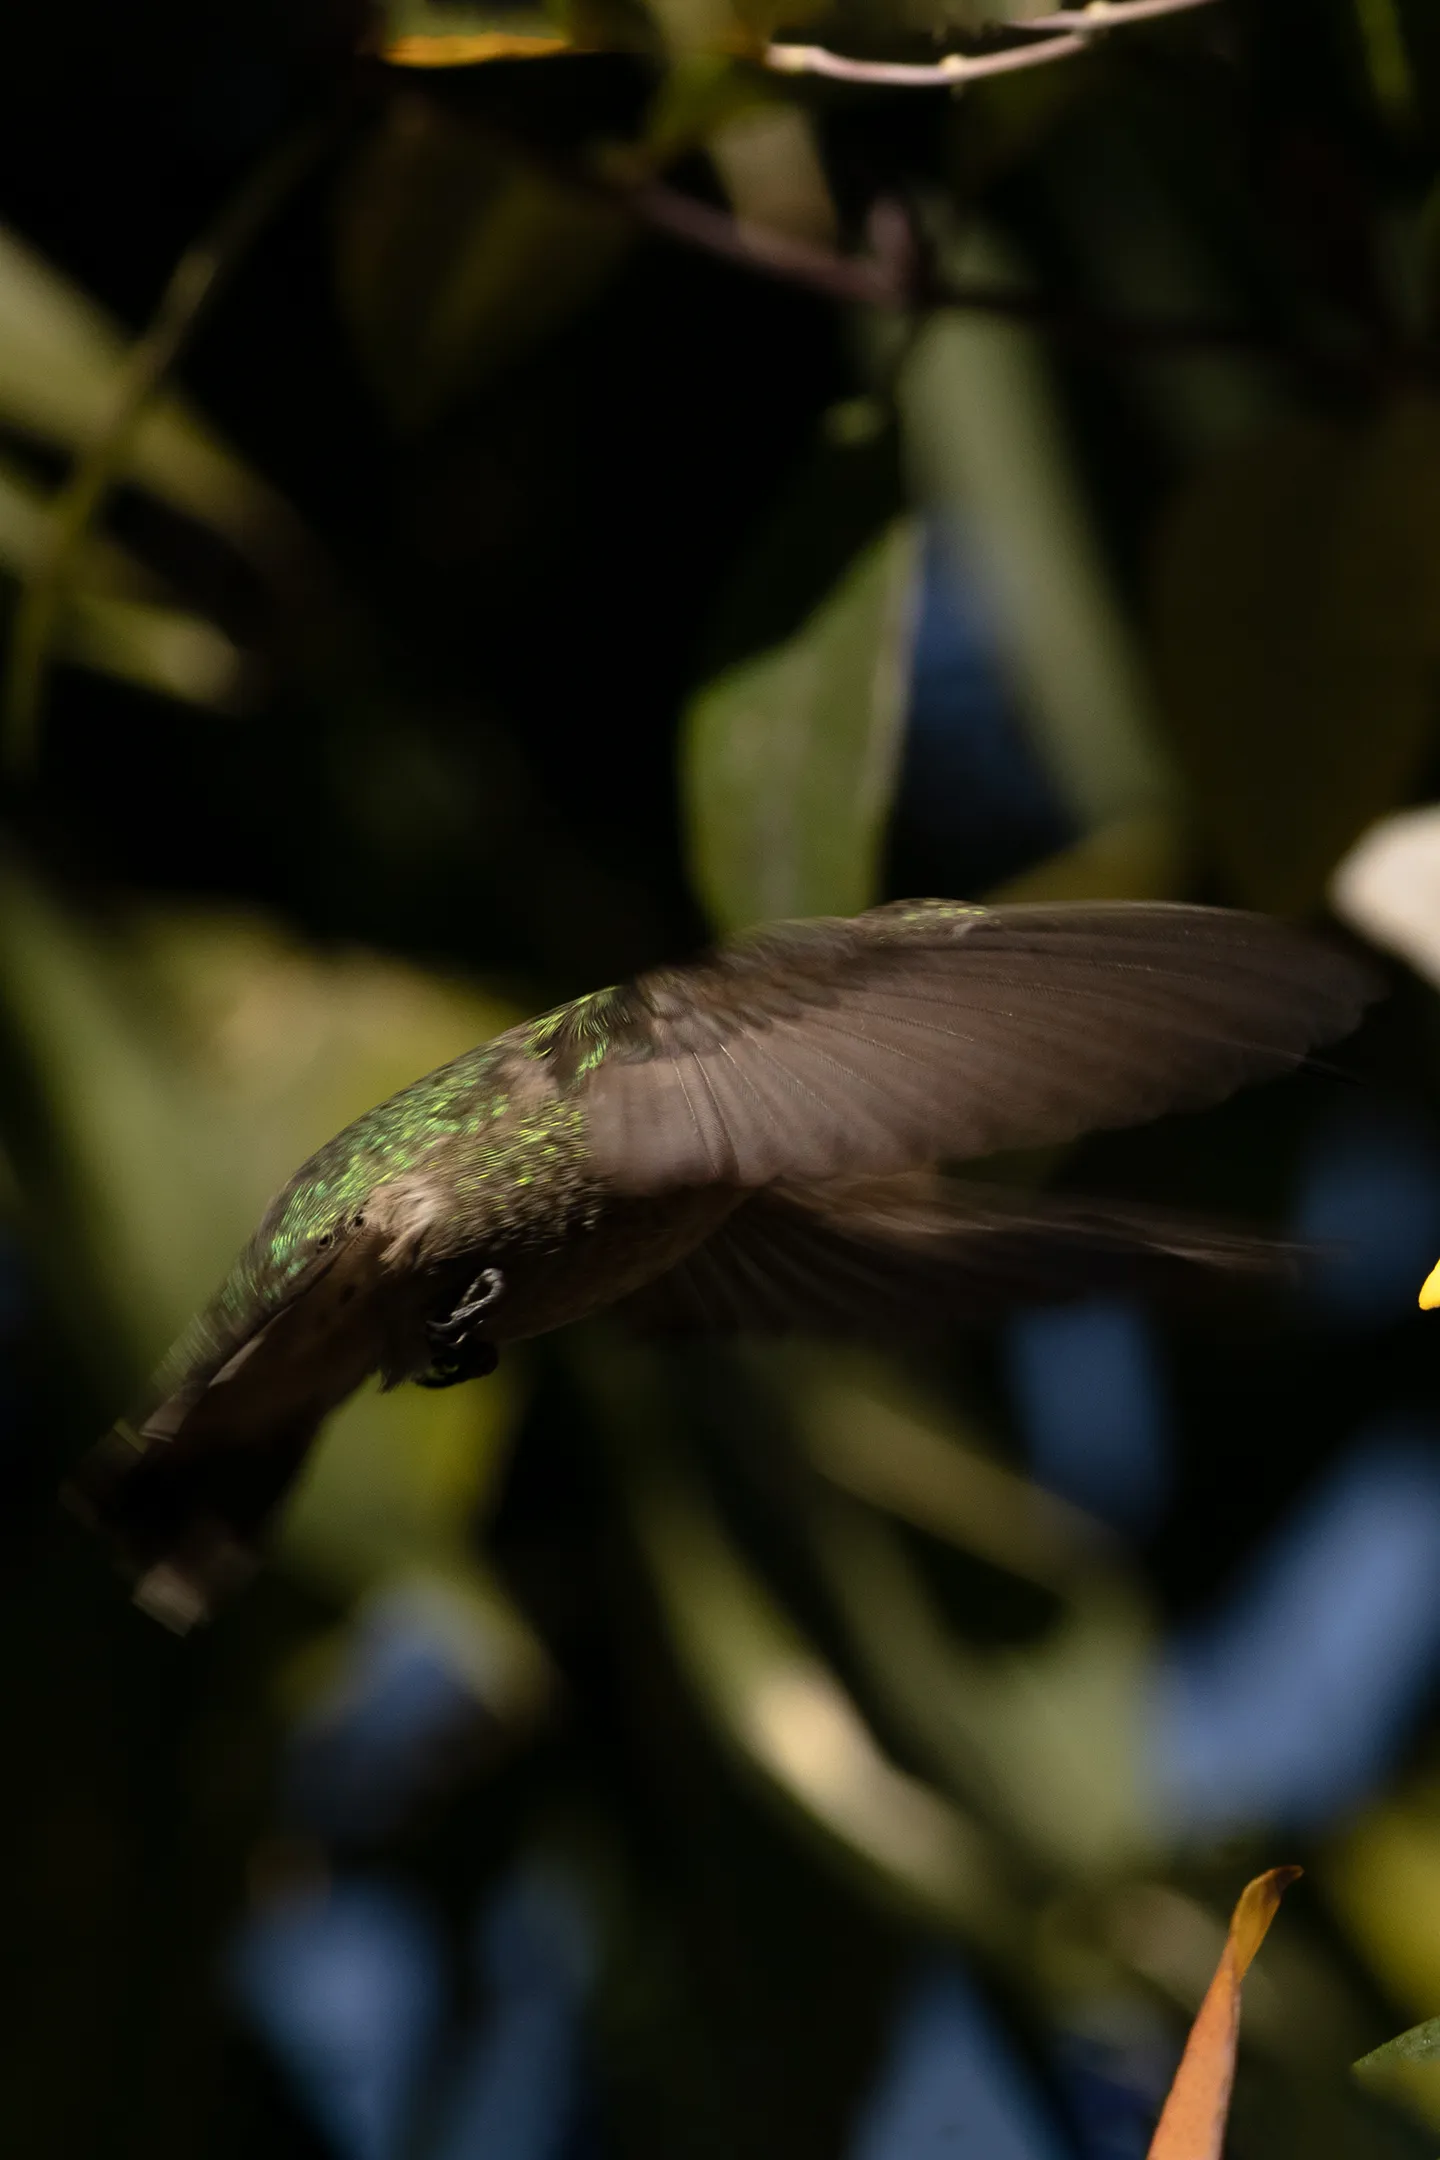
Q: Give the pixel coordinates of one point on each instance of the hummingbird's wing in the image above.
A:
(928, 1031)
(919, 1254)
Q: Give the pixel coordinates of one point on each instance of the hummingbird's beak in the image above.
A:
(1430, 1290)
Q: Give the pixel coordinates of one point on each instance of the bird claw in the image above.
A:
(457, 1326)
(460, 1353)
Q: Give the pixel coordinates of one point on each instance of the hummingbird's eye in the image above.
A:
(325, 1240)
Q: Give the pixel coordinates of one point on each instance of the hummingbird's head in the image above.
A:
(187, 1484)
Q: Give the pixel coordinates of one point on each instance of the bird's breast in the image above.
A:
(622, 1244)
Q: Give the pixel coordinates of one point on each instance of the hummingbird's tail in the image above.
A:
(918, 1254)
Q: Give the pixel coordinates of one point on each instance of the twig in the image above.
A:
(1075, 28)
(891, 275)
(955, 68)
(193, 284)
(756, 247)
(891, 279)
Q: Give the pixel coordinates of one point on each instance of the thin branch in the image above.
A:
(891, 274)
(870, 283)
(1074, 27)
(955, 68)
(891, 279)
(193, 284)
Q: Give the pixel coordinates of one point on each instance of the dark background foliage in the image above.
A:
(522, 590)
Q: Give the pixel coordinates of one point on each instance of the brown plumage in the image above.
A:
(737, 1143)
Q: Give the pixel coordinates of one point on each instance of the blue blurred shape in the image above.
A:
(1114, 2075)
(1291, 1703)
(970, 775)
(1370, 1192)
(517, 2092)
(1092, 1404)
(951, 2087)
(401, 1716)
(346, 1988)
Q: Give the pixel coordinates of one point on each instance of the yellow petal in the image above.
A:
(1430, 1290)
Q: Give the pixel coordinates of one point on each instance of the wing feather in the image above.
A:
(926, 1031)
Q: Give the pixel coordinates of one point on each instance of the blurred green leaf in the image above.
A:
(24, 509)
(1049, 1742)
(104, 460)
(453, 259)
(112, 620)
(161, 649)
(1297, 630)
(698, 94)
(1144, 856)
(1407, 2069)
(872, 1436)
(1381, 1875)
(789, 759)
(62, 361)
(1387, 63)
(844, 492)
(988, 455)
(1420, 2044)
(770, 165)
(767, 1689)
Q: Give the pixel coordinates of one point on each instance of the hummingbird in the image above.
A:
(760, 1139)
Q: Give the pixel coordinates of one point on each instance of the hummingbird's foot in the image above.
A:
(459, 1351)
(486, 1290)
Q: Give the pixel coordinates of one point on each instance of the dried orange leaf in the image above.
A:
(1192, 2121)
(466, 51)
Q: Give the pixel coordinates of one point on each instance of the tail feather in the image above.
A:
(916, 1254)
